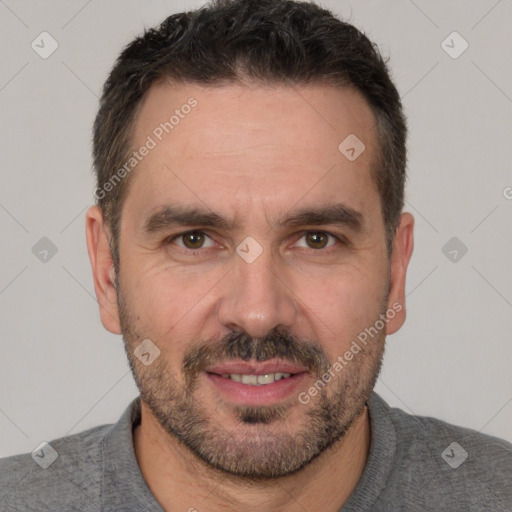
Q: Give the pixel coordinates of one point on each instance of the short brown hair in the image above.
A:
(270, 41)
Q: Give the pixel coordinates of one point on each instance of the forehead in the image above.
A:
(241, 144)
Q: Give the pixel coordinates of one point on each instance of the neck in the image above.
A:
(179, 481)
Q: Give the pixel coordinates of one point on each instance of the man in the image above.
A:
(250, 246)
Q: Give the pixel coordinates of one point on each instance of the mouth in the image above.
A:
(253, 383)
(256, 380)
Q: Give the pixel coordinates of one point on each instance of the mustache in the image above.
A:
(238, 345)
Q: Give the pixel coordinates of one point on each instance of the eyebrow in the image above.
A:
(175, 215)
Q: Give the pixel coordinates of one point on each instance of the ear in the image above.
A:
(403, 244)
(102, 265)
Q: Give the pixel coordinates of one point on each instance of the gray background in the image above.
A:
(61, 372)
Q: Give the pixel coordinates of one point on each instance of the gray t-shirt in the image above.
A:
(415, 464)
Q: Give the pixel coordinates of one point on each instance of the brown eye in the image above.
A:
(317, 239)
(191, 243)
(193, 239)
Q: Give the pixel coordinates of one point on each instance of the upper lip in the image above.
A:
(254, 367)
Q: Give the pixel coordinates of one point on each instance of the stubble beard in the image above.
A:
(263, 444)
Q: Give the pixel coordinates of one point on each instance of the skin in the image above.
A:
(253, 154)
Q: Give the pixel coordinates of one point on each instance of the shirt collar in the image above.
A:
(124, 488)
(380, 458)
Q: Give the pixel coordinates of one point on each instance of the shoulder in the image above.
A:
(63, 472)
(425, 433)
(446, 463)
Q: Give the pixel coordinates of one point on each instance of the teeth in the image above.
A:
(256, 380)
(265, 379)
(249, 379)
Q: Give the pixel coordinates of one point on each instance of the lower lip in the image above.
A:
(266, 394)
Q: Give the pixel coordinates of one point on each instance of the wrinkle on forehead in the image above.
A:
(256, 148)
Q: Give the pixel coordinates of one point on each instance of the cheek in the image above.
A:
(346, 304)
(165, 300)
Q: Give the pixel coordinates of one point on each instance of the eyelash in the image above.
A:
(339, 238)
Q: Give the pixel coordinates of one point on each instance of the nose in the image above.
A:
(256, 297)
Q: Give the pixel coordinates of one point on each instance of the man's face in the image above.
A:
(256, 295)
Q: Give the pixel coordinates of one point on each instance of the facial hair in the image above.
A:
(264, 445)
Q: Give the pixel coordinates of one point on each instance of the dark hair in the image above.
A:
(229, 41)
